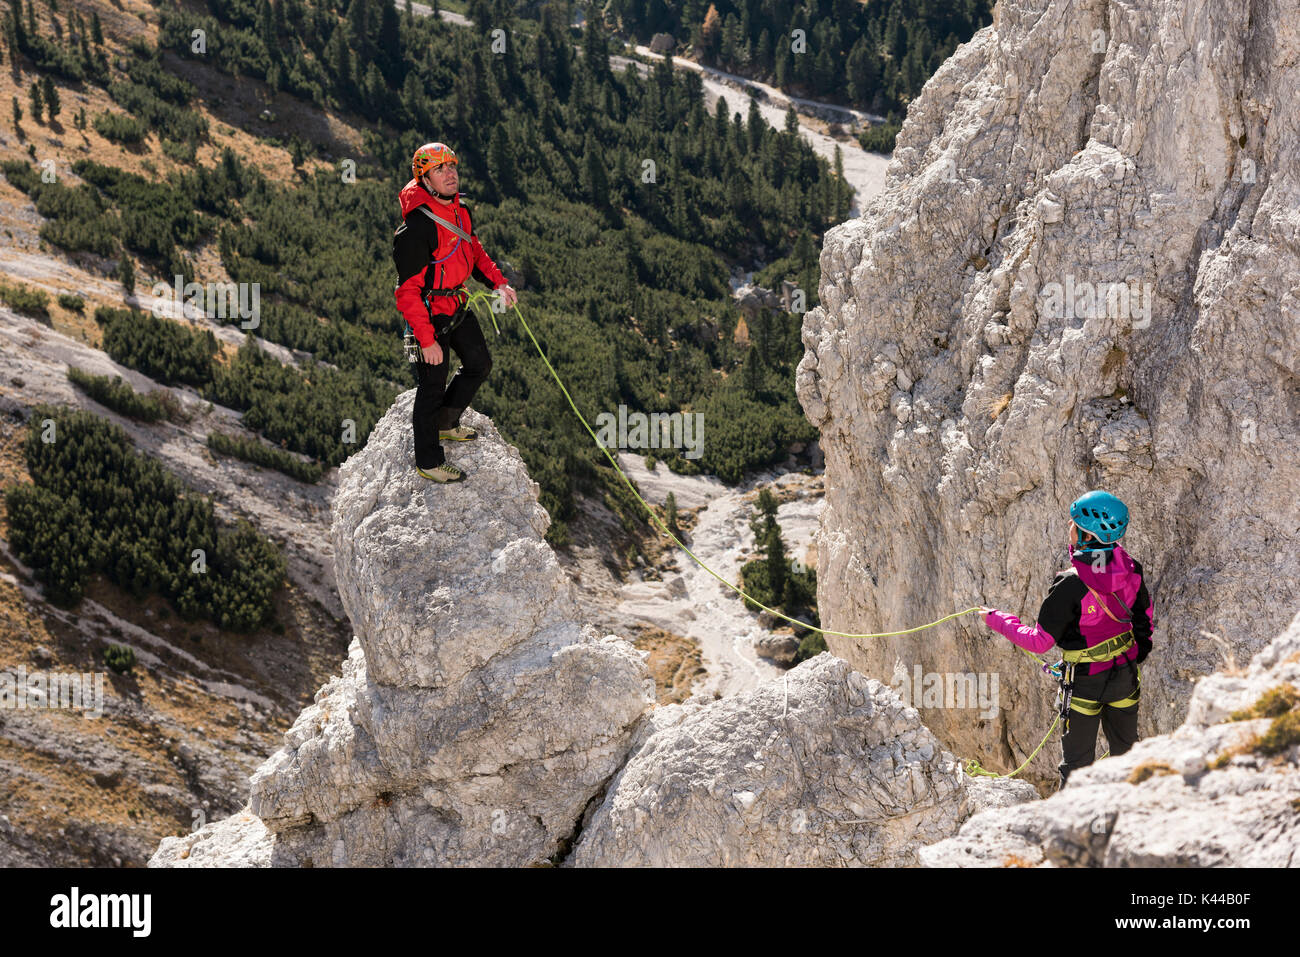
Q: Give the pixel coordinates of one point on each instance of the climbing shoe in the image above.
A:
(460, 433)
(446, 472)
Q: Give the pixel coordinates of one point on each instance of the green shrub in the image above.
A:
(756, 583)
(72, 302)
(76, 218)
(171, 122)
(25, 299)
(812, 645)
(1272, 703)
(120, 658)
(162, 349)
(96, 505)
(304, 410)
(53, 57)
(117, 395)
(880, 138)
(155, 217)
(1281, 735)
(184, 152)
(251, 450)
(119, 127)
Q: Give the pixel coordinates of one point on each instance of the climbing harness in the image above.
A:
(1105, 651)
(1089, 707)
(410, 345)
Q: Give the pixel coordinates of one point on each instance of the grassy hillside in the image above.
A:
(618, 203)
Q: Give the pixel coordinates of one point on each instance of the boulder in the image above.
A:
(781, 648)
(825, 767)
(475, 717)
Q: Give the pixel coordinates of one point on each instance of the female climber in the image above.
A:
(1099, 612)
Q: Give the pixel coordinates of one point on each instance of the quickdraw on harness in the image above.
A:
(410, 345)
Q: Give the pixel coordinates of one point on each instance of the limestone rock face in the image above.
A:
(1083, 273)
(474, 719)
(824, 767)
(1164, 803)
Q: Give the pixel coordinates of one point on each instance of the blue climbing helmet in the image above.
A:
(1102, 515)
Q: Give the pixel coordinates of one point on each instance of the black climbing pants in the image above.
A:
(437, 405)
(1079, 744)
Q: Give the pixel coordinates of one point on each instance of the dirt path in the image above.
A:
(693, 603)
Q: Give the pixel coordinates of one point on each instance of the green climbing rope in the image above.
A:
(972, 767)
(481, 296)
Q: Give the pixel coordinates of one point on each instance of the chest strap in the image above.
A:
(459, 292)
(450, 227)
(1110, 614)
(1108, 649)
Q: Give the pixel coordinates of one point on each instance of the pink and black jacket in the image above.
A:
(429, 257)
(1074, 613)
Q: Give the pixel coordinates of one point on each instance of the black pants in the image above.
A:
(1079, 745)
(437, 406)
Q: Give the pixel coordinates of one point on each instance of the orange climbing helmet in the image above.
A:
(430, 155)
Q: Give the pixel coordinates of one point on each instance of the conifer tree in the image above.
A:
(597, 178)
(37, 100)
(126, 273)
(50, 93)
(501, 162)
(777, 573)
(670, 514)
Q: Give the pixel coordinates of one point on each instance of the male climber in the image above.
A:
(436, 251)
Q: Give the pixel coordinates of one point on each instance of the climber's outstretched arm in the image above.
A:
(1060, 607)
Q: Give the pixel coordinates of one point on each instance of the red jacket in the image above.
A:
(417, 247)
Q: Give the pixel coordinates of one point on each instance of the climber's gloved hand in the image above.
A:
(508, 296)
(985, 611)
